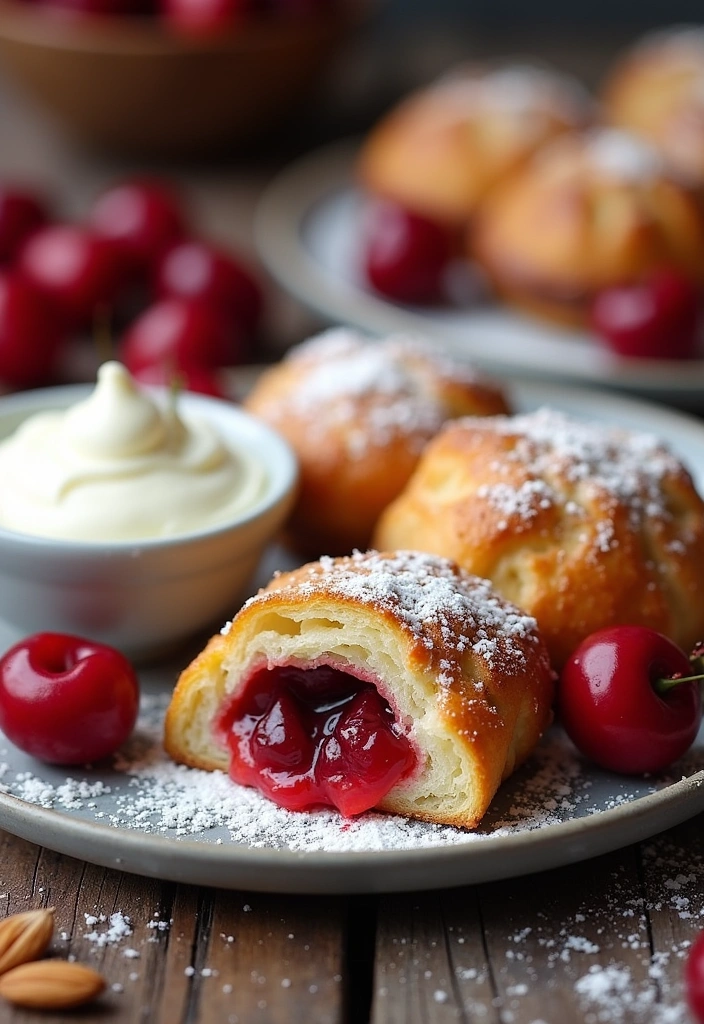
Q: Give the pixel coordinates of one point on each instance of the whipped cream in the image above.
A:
(121, 466)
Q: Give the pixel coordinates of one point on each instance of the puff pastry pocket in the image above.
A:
(396, 681)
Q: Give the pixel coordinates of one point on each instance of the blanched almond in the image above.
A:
(51, 985)
(24, 937)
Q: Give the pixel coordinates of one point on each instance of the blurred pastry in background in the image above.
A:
(591, 210)
(443, 148)
(657, 91)
(583, 526)
(358, 415)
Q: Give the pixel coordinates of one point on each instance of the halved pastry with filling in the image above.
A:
(395, 681)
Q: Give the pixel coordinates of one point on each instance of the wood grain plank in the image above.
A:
(673, 878)
(568, 945)
(431, 962)
(263, 958)
(135, 983)
(545, 934)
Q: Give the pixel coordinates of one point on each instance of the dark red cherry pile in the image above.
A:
(188, 17)
(306, 737)
(200, 305)
(629, 699)
(67, 700)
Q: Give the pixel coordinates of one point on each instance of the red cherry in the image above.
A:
(203, 17)
(21, 213)
(30, 334)
(195, 270)
(67, 700)
(626, 701)
(144, 218)
(657, 319)
(192, 378)
(694, 978)
(76, 270)
(178, 334)
(405, 255)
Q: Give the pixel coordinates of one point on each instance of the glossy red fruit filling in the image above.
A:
(311, 736)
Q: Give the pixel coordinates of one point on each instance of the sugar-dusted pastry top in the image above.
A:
(591, 210)
(657, 90)
(623, 468)
(465, 675)
(442, 148)
(399, 387)
(358, 414)
(442, 607)
(582, 525)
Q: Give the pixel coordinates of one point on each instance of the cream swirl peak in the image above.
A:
(121, 465)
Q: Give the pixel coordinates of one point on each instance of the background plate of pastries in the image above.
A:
(548, 200)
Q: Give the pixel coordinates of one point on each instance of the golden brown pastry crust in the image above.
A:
(358, 415)
(590, 211)
(582, 526)
(657, 91)
(443, 148)
(465, 673)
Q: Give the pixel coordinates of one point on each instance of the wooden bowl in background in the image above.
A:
(128, 85)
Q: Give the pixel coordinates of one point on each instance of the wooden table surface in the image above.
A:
(599, 942)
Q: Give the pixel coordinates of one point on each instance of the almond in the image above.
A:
(24, 937)
(51, 985)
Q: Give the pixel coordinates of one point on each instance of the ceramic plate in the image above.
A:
(308, 233)
(143, 814)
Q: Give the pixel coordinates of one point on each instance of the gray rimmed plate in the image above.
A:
(143, 814)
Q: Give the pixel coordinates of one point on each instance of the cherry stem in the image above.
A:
(663, 686)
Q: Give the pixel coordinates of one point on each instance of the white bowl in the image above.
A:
(143, 597)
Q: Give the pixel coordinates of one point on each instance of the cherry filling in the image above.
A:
(310, 736)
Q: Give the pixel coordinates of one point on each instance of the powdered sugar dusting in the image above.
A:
(378, 391)
(432, 598)
(149, 793)
(623, 156)
(682, 43)
(524, 91)
(621, 468)
(107, 931)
